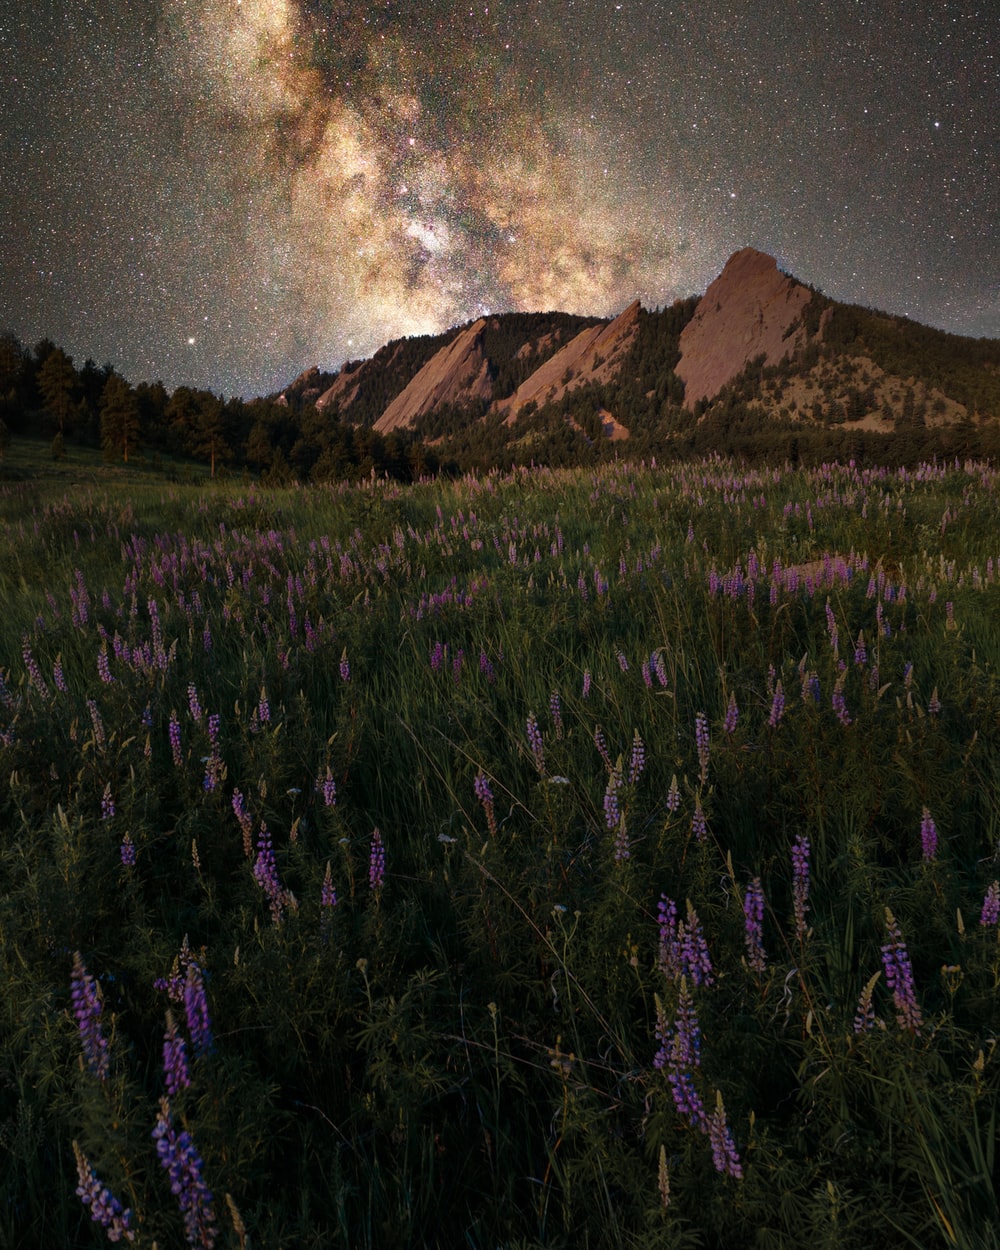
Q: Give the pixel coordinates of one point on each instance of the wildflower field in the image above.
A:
(556, 859)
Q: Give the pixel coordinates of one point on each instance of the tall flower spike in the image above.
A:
(87, 1008)
(991, 905)
(928, 835)
(695, 959)
(105, 1209)
(485, 795)
(724, 1155)
(179, 1157)
(196, 1010)
(535, 742)
(899, 977)
(376, 862)
(753, 925)
(702, 743)
(175, 1065)
(800, 884)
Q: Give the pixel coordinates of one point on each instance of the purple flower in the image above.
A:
(87, 1008)
(376, 862)
(724, 1155)
(265, 873)
(612, 808)
(777, 707)
(105, 1209)
(345, 667)
(928, 835)
(183, 1165)
(694, 957)
(673, 795)
(638, 759)
(839, 703)
(753, 925)
(732, 716)
(97, 722)
(329, 789)
(699, 826)
(860, 652)
(687, 1100)
(934, 703)
(899, 977)
(602, 748)
(800, 884)
(175, 739)
(555, 711)
(586, 683)
(701, 741)
(194, 706)
(535, 742)
(864, 1017)
(196, 1011)
(103, 670)
(263, 708)
(685, 1043)
(991, 905)
(107, 803)
(58, 676)
(127, 851)
(669, 952)
(175, 1064)
(485, 795)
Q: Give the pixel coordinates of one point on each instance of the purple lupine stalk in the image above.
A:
(669, 946)
(196, 1011)
(103, 668)
(345, 667)
(647, 675)
(535, 742)
(702, 743)
(724, 1155)
(753, 925)
(831, 629)
(58, 676)
(175, 739)
(991, 905)
(263, 708)
(246, 824)
(839, 704)
(105, 1209)
(864, 1016)
(97, 723)
(265, 873)
(800, 884)
(777, 707)
(107, 803)
(622, 661)
(376, 862)
(602, 748)
(685, 1042)
(860, 651)
(662, 1036)
(928, 835)
(127, 851)
(555, 711)
(660, 667)
(327, 894)
(637, 761)
(686, 1098)
(586, 683)
(899, 977)
(699, 825)
(695, 960)
(175, 1064)
(612, 808)
(179, 1157)
(732, 716)
(328, 788)
(87, 1008)
(194, 706)
(485, 795)
(34, 672)
(934, 703)
(673, 795)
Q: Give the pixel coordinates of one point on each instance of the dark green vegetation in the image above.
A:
(558, 697)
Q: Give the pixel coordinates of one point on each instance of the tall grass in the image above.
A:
(209, 696)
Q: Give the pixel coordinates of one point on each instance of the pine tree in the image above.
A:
(119, 419)
(59, 385)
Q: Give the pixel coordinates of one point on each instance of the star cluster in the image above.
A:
(222, 192)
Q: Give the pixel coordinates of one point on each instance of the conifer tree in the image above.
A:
(119, 419)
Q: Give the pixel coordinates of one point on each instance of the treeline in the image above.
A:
(44, 396)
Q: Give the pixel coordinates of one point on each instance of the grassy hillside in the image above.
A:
(537, 859)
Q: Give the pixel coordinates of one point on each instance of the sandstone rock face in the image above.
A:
(457, 374)
(594, 355)
(751, 308)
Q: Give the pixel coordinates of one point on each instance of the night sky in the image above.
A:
(224, 192)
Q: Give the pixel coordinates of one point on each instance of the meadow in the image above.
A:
(553, 859)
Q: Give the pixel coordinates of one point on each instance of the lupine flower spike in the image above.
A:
(753, 925)
(179, 1157)
(899, 977)
(376, 862)
(928, 835)
(105, 1209)
(991, 905)
(800, 884)
(87, 1008)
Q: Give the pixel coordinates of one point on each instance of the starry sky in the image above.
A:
(221, 193)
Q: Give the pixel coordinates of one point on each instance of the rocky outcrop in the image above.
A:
(751, 309)
(458, 374)
(594, 355)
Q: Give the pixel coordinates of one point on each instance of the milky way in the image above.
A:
(223, 192)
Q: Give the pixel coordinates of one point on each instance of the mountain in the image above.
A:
(758, 358)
